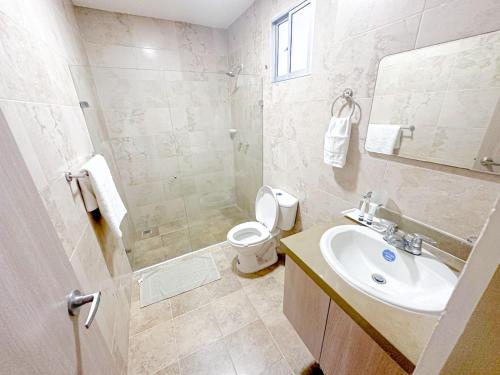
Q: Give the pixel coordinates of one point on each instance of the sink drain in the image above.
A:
(379, 279)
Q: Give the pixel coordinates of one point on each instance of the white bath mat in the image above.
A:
(176, 277)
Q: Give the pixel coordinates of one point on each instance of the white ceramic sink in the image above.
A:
(360, 255)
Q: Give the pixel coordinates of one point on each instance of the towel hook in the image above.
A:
(347, 95)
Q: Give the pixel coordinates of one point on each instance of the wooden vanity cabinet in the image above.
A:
(306, 307)
(347, 349)
(335, 340)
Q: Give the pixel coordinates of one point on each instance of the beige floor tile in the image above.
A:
(289, 342)
(279, 368)
(230, 254)
(220, 259)
(147, 244)
(149, 316)
(173, 226)
(177, 242)
(136, 291)
(213, 359)
(228, 283)
(153, 349)
(233, 312)
(199, 240)
(173, 369)
(195, 329)
(266, 296)
(252, 349)
(190, 300)
(279, 274)
(150, 257)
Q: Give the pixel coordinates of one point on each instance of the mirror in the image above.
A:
(440, 104)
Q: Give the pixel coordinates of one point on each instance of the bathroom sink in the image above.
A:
(364, 260)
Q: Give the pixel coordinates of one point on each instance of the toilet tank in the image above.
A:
(288, 209)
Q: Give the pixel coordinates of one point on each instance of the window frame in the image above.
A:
(278, 20)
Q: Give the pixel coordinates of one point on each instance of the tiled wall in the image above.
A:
(165, 101)
(448, 92)
(39, 40)
(350, 39)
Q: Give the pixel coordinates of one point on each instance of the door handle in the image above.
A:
(77, 300)
(486, 161)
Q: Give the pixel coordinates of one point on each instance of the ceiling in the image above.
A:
(212, 13)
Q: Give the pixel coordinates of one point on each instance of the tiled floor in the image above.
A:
(183, 236)
(232, 326)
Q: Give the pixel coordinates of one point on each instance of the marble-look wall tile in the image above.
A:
(130, 88)
(127, 41)
(137, 122)
(442, 192)
(455, 19)
(373, 14)
(32, 71)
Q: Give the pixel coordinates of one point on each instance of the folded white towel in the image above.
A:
(337, 141)
(88, 194)
(383, 139)
(99, 191)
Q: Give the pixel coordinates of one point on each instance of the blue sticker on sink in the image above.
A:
(389, 255)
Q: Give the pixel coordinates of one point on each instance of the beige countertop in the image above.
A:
(396, 330)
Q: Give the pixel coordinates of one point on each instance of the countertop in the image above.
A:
(403, 334)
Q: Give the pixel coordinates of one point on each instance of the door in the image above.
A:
(37, 336)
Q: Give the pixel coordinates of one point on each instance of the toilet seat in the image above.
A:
(256, 232)
(248, 234)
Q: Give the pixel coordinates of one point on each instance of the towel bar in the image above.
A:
(70, 176)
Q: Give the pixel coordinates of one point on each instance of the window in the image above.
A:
(292, 36)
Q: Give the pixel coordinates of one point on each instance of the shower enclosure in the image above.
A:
(185, 149)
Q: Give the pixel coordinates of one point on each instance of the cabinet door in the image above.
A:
(306, 307)
(347, 349)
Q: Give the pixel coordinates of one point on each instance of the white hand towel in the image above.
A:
(102, 191)
(383, 139)
(337, 141)
(88, 194)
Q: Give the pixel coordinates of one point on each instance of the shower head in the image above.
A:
(233, 73)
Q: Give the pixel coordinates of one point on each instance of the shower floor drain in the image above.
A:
(379, 279)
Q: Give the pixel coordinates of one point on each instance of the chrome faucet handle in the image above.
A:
(420, 237)
(391, 229)
(415, 242)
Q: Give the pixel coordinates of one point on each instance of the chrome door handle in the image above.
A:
(486, 161)
(77, 300)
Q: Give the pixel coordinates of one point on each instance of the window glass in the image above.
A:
(301, 25)
(282, 49)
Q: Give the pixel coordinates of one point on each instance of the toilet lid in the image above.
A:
(266, 208)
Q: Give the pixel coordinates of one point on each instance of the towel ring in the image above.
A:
(347, 96)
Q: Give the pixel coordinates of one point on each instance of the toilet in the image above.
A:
(255, 242)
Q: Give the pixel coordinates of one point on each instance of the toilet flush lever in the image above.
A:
(77, 300)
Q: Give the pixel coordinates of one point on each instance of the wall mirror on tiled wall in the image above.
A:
(445, 99)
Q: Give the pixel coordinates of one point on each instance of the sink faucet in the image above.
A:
(411, 243)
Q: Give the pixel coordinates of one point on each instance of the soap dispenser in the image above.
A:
(365, 202)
